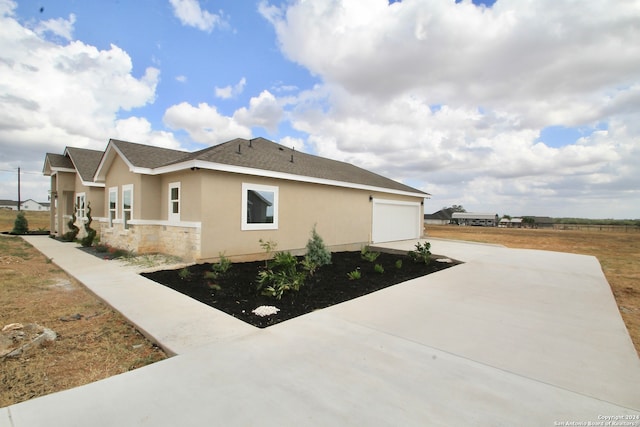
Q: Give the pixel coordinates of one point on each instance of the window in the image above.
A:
(259, 207)
(80, 206)
(113, 205)
(127, 204)
(174, 201)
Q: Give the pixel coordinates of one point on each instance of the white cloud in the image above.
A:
(264, 111)
(231, 91)
(191, 14)
(295, 143)
(204, 123)
(56, 95)
(181, 79)
(454, 96)
(58, 27)
(138, 129)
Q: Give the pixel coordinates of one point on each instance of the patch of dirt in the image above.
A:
(236, 292)
(93, 341)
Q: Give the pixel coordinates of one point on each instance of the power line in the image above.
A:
(16, 170)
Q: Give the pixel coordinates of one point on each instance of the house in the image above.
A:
(473, 218)
(510, 222)
(32, 205)
(225, 198)
(26, 205)
(527, 222)
(73, 186)
(442, 217)
(9, 205)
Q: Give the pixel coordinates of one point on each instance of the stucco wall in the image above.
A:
(343, 216)
(190, 194)
(211, 208)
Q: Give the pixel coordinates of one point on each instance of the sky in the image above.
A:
(511, 107)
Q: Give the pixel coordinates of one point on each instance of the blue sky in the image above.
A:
(508, 107)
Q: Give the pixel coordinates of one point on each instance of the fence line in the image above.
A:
(597, 227)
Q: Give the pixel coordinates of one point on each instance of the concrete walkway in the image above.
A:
(511, 337)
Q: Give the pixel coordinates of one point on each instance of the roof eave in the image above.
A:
(107, 158)
(222, 167)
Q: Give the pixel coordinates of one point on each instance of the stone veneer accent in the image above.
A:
(180, 241)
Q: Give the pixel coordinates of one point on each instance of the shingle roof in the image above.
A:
(147, 156)
(257, 154)
(85, 161)
(59, 161)
(260, 153)
(442, 214)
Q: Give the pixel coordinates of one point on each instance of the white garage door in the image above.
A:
(393, 220)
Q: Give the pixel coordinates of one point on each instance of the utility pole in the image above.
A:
(19, 189)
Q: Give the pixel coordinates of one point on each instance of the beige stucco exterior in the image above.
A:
(342, 216)
(65, 186)
(210, 219)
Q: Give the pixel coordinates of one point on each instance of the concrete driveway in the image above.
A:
(511, 337)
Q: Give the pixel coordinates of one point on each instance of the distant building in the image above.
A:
(542, 222)
(32, 205)
(510, 223)
(442, 217)
(27, 205)
(9, 204)
(474, 218)
(537, 222)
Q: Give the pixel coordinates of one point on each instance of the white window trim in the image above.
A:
(81, 212)
(127, 188)
(112, 190)
(258, 187)
(174, 217)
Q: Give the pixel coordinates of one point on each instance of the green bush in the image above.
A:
(268, 246)
(422, 253)
(221, 267)
(378, 268)
(91, 233)
(70, 235)
(367, 255)
(317, 253)
(399, 264)
(280, 276)
(354, 275)
(20, 225)
(184, 274)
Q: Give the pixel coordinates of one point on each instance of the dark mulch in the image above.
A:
(330, 285)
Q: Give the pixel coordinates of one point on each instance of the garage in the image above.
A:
(395, 220)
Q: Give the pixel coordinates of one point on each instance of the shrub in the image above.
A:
(184, 274)
(91, 233)
(367, 255)
(70, 235)
(422, 253)
(222, 266)
(317, 253)
(268, 246)
(399, 264)
(378, 268)
(20, 225)
(281, 275)
(354, 275)
(102, 248)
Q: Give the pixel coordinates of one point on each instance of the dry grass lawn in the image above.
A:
(34, 290)
(617, 251)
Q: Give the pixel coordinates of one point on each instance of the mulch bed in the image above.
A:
(238, 295)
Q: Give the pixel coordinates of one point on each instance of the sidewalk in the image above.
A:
(511, 337)
(170, 319)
